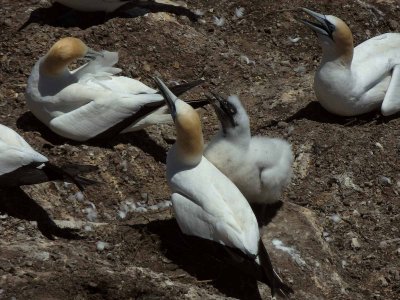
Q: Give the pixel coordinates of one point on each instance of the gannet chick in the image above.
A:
(90, 101)
(352, 81)
(259, 166)
(20, 164)
(206, 203)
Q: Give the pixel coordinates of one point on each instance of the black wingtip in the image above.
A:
(180, 89)
(199, 103)
(272, 278)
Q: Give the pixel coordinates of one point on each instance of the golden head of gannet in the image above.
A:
(64, 52)
(334, 35)
(189, 141)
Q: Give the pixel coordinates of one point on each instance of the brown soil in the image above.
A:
(338, 171)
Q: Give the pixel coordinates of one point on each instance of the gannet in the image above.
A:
(259, 166)
(90, 101)
(206, 203)
(20, 164)
(109, 6)
(93, 5)
(352, 81)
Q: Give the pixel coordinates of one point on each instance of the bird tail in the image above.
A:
(71, 173)
(271, 277)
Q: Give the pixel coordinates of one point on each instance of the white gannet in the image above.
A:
(206, 203)
(110, 6)
(259, 166)
(90, 101)
(352, 81)
(93, 5)
(20, 164)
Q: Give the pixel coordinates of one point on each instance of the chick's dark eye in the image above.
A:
(230, 108)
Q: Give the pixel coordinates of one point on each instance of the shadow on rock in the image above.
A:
(265, 213)
(203, 259)
(59, 15)
(315, 112)
(16, 203)
(28, 122)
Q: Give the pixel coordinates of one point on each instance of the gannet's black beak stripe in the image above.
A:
(169, 97)
(323, 26)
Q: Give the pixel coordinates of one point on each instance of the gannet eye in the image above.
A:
(331, 27)
(231, 109)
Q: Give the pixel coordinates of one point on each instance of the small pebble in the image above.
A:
(355, 244)
(383, 281)
(383, 180)
(379, 145)
(282, 124)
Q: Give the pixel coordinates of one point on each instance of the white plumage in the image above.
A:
(93, 5)
(206, 203)
(15, 152)
(259, 166)
(89, 101)
(352, 81)
(20, 164)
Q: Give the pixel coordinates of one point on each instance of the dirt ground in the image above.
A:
(341, 211)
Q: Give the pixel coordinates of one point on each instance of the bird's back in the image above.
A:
(375, 58)
(212, 193)
(93, 5)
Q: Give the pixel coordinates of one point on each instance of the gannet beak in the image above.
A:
(224, 110)
(92, 54)
(169, 97)
(323, 26)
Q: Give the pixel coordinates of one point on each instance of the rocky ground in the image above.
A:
(337, 233)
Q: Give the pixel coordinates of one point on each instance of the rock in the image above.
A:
(308, 266)
(383, 180)
(383, 281)
(355, 244)
(303, 162)
(282, 124)
(42, 255)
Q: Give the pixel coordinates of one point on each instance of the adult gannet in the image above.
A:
(20, 164)
(206, 203)
(259, 166)
(352, 81)
(109, 6)
(90, 102)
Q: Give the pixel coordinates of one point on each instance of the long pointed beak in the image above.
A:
(220, 107)
(92, 54)
(169, 97)
(320, 27)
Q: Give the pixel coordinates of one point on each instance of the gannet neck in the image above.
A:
(189, 142)
(61, 54)
(340, 46)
